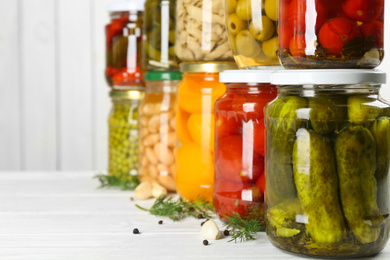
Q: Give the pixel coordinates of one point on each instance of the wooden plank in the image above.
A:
(74, 85)
(10, 142)
(39, 90)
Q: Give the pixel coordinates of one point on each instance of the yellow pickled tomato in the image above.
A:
(230, 6)
(244, 9)
(247, 45)
(202, 128)
(270, 47)
(262, 29)
(271, 8)
(235, 24)
(195, 172)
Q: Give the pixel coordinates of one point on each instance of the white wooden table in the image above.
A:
(62, 215)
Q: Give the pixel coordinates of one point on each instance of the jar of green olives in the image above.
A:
(158, 129)
(123, 44)
(200, 31)
(253, 33)
(328, 163)
(123, 129)
(331, 33)
(158, 51)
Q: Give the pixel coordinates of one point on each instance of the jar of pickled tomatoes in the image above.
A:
(331, 33)
(123, 131)
(123, 44)
(239, 144)
(195, 124)
(157, 129)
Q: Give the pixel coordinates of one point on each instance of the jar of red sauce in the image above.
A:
(331, 33)
(123, 44)
(239, 144)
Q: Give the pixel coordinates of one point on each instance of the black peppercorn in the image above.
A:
(205, 242)
(160, 222)
(226, 232)
(135, 231)
(200, 215)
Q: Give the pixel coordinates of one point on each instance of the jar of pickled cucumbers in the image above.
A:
(253, 33)
(123, 138)
(200, 31)
(159, 36)
(240, 144)
(123, 44)
(195, 126)
(331, 33)
(157, 129)
(327, 163)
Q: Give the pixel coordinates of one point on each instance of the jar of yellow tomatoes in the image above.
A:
(157, 129)
(195, 125)
(123, 138)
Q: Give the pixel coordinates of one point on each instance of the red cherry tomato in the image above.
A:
(298, 45)
(298, 15)
(235, 160)
(336, 32)
(286, 33)
(253, 134)
(126, 76)
(251, 107)
(373, 28)
(261, 183)
(115, 28)
(363, 10)
(226, 120)
(334, 9)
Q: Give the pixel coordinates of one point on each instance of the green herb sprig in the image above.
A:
(179, 209)
(111, 181)
(242, 229)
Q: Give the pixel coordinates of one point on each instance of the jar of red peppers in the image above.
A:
(331, 33)
(195, 126)
(159, 36)
(123, 44)
(239, 144)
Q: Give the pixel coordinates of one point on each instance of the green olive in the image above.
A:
(270, 47)
(235, 24)
(271, 8)
(262, 29)
(244, 9)
(247, 45)
(230, 6)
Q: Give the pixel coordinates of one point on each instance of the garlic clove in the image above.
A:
(143, 191)
(209, 230)
(158, 190)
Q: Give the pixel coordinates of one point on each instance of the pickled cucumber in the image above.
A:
(362, 109)
(282, 124)
(355, 151)
(380, 130)
(327, 113)
(282, 218)
(316, 181)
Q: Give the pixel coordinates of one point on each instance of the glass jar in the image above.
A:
(159, 35)
(123, 44)
(252, 32)
(157, 129)
(123, 137)
(240, 144)
(327, 163)
(331, 33)
(195, 126)
(201, 32)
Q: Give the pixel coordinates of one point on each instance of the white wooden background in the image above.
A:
(53, 96)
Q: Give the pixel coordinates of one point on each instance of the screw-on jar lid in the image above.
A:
(128, 5)
(134, 94)
(245, 76)
(328, 77)
(162, 75)
(207, 67)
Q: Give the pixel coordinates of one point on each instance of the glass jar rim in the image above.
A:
(129, 5)
(245, 76)
(206, 67)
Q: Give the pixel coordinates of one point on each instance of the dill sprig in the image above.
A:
(179, 209)
(242, 229)
(112, 181)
